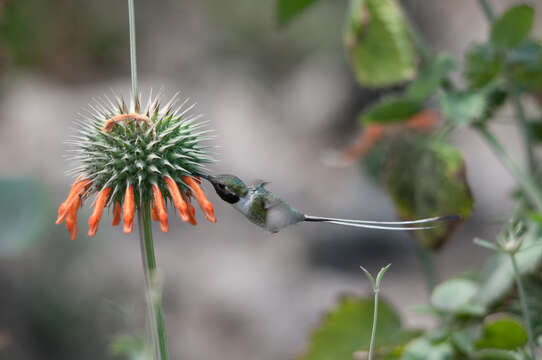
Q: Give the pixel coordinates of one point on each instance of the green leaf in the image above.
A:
(482, 65)
(463, 107)
(423, 349)
(497, 276)
(347, 329)
(512, 27)
(391, 109)
(425, 179)
(525, 65)
(22, 207)
(289, 9)
(505, 333)
(454, 296)
(430, 78)
(378, 43)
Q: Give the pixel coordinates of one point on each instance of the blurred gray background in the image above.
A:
(279, 98)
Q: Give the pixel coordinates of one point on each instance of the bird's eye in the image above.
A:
(222, 186)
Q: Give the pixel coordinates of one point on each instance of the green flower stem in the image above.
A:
(133, 55)
(524, 125)
(376, 289)
(425, 257)
(526, 182)
(524, 307)
(152, 289)
(516, 101)
(419, 41)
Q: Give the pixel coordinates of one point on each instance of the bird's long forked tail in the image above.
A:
(421, 224)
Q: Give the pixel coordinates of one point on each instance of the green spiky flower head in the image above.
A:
(139, 154)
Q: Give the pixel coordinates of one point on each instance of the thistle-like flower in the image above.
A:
(131, 158)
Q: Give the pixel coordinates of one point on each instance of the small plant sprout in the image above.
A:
(376, 289)
(510, 242)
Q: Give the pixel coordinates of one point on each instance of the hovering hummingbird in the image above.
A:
(268, 211)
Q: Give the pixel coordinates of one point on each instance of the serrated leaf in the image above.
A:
(391, 109)
(289, 9)
(22, 207)
(454, 296)
(425, 179)
(463, 107)
(347, 329)
(497, 276)
(430, 77)
(423, 349)
(512, 27)
(378, 42)
(505, 333)
(482, 65)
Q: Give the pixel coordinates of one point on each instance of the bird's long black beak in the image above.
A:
(207, 177)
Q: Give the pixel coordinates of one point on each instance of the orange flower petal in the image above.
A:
(154, 212)
(369, 137)
(94, 219)
(178, 200)
(116, 214)
(77, 189)
(71, 218)
(191, 209)
(204, 204)
(128, 209)
(160, 208)
(424, 120)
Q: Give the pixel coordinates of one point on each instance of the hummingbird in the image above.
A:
(263, 208)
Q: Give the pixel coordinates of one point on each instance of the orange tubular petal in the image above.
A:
(160, 208)
(191, 209)
(204, 204)
(369, 137)
(77, 189)
(94, 219)
(116, 214)
(154, 212)
(71, 218)
(424, 120)
(178, 200)
(128, 209)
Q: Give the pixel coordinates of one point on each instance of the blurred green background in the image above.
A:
(279, 99)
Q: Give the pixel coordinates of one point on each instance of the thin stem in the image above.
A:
(488, 10)
(524, 307)
(133, 57)
(524, 125)
(373, 331)
(526, 182)
(152, 291)
(425, 257)
(419, 41)
(516, 101)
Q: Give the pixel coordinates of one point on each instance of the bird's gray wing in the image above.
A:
(280, 214)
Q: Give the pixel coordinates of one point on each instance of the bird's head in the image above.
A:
(229, 187)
